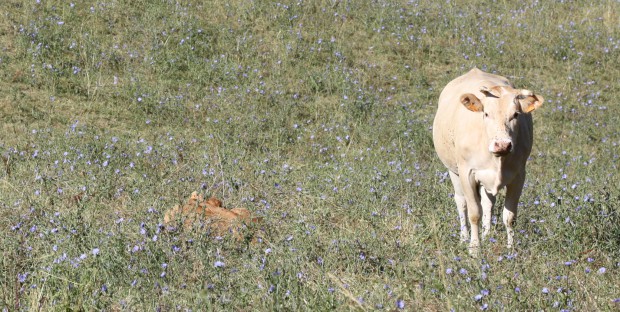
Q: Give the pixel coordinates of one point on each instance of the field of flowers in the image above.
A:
(316, 116)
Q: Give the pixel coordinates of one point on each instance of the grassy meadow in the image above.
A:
(316, 116)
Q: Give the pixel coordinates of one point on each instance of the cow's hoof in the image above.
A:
(464, 238)
(474, 252)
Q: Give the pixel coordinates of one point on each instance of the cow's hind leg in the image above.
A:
(461, 205)
(513, 192)
(487, 200)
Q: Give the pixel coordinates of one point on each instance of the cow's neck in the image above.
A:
(496, 175)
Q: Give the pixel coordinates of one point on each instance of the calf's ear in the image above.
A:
(471, 102)
(529, 101)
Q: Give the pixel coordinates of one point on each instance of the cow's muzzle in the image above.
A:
(500, 147)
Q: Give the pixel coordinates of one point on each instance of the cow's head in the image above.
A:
(501, 107)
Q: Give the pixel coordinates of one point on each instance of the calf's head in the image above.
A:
(501, 108)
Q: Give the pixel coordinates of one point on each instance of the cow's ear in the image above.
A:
(495, 91)
(529, 101)
(471, 102)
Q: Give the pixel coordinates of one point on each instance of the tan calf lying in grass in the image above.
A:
(210, 214)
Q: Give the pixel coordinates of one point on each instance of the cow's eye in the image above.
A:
(486, 115)
(514, 116)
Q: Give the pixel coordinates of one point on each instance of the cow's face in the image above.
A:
(501, 108)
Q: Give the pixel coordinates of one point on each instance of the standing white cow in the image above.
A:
(483, 134)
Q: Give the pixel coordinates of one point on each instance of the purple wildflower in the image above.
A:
(22, 277)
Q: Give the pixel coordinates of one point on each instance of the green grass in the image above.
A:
(316, 116)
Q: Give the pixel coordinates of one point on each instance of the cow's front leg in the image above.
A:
(472, 199)
(487, 201)
(513, 193)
